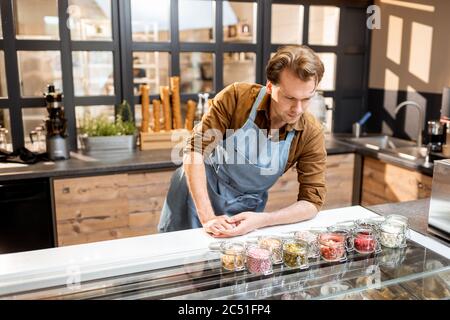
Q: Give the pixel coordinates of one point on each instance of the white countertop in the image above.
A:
(49, 267)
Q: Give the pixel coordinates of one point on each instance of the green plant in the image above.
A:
(102, 126)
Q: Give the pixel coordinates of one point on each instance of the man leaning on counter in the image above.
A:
(249, 137)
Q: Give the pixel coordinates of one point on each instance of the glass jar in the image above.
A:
(348, 225)
(346, 232)
(232, 256)
(295, 253)
(365, 241)
(332, 246)
(275, 245)
(393, 234)
(309, 237)
(258, 260)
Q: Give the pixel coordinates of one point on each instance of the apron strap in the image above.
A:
(258, 100)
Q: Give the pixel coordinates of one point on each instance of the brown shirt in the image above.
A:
(231, 108)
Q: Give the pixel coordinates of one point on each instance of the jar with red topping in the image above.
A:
(366, 241)
(346, 232)
(332, 246)
(258, 260)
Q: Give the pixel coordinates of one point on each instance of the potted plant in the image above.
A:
(100, 134)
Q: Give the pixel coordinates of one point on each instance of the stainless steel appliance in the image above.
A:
(439, 214)
(436, 137)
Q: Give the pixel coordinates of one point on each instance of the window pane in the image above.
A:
(36, 19)
(329, 77)
(239, 21)
(37, 69)
(287, 24)
(239, 67)
(329, 115)
(5, 122)
(323, 25)
(93, 73)
(151, 68)
(3, 87)
(196, 20)
(1, 27)
(150, 20)
(32, 119)
(90, 19)
(197, 72)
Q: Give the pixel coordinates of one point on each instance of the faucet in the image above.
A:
(421, 117)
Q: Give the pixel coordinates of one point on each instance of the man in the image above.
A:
(222, 185)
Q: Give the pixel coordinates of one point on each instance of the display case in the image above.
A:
(414, 272)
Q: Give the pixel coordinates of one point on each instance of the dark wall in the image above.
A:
(405, 124)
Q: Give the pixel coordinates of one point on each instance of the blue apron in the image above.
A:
(239, 172)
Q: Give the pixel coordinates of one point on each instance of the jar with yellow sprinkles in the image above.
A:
(232, 256)
(295, 253)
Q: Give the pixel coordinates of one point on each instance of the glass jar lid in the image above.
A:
(393, 226)
(257, 253)
(397, 218)
(332, 239)
(232, 248)
(306, 235)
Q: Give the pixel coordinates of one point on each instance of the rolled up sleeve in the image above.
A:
(311, 170)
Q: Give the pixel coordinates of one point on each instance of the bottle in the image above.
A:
(199, 110)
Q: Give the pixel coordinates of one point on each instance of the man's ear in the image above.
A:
(268, 87)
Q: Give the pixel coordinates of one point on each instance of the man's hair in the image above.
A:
(301, 60)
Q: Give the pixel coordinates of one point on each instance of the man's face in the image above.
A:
(290, 98)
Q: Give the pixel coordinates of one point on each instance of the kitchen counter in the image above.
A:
(184, 268)
(116, 162)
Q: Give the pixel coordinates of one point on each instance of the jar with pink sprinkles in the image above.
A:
(258, 260)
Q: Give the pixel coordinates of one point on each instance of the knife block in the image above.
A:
(163, 139)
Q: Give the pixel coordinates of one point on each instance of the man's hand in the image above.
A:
(245, 222)
(217, 225)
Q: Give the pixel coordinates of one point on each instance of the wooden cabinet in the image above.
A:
(387, 183)
(339, 183)
(108, 207)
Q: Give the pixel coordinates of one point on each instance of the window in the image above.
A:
(150, 20)
(323, 25)
(5, 122)
(239, 67)
(3, 86)
(239, 21)
(36, 19)
(196, 20)
(37, 69)
(93, 73)
(100, 60)
(197, 72)
(90, 20)
(287, 24)
(151, 68)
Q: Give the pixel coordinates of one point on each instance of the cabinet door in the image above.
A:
(146, 195)
(109, 207)
(387, 183)
(90, 208)
(339, 184)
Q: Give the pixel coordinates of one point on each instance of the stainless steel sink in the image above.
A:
(404, 149)
(383, 142)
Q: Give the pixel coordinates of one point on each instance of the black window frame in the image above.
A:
(122, 47)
